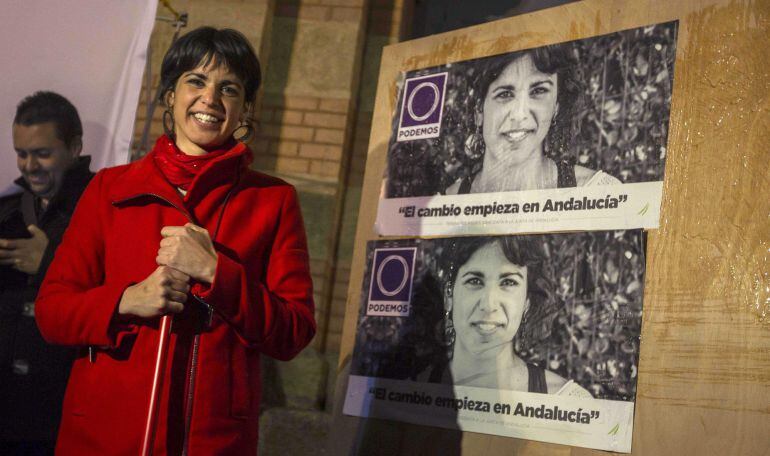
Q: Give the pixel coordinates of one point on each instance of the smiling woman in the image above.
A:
(493, 287)
(524, 106)
(190, 231)
(208, 86)
(207, 105)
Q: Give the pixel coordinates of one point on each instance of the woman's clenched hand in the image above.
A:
(162, 292)
(188, 249)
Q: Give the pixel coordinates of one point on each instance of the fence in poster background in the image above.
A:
(593, 208)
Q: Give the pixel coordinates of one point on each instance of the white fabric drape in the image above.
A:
(92, 52)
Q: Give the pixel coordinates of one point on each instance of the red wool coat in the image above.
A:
(260, 302)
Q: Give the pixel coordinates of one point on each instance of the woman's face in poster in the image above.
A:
(489, 298)
(518, 111)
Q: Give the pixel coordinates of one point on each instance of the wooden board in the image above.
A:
(704, 381)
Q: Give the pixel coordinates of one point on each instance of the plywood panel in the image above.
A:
(704, 383)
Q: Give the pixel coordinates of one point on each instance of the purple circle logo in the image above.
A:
(431, 97)
(390, 288)
(422, 106)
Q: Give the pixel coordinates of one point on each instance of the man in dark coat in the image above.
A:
(47, 137)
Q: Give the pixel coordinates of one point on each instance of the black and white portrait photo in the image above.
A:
(548, 317)
(582, 116)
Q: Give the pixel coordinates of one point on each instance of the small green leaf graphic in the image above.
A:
(614, 431)
(644, 209)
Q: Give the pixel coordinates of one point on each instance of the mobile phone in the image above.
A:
(12, 227)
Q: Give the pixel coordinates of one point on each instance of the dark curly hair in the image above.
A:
(46, 106)
(552, 59)
(521, 250)
(206, 45)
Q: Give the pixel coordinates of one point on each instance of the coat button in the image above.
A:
(28, 309)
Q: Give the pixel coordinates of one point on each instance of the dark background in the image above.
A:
(437, 16)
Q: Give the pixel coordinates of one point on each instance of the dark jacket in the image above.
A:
(33, 373)
(261, 302)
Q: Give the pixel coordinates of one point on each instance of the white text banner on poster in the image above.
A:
(612, 207)
(591, 423)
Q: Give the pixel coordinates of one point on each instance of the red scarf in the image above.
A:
(180, 169)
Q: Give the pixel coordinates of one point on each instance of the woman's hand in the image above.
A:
(162, 292)
(188, 249)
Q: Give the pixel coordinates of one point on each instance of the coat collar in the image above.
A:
(143, 178)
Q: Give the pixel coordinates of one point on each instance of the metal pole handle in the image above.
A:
(157, 385)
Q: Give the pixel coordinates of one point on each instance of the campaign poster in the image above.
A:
(529, 336)
(569, 136)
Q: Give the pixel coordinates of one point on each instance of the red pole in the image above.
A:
(157, 386)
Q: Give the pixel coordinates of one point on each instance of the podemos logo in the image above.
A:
(422, 107)
(390, 288)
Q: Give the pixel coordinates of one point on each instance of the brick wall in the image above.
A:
(307, 119)
(303, 130)
(385, 24)
(302, 136)
(322, 10)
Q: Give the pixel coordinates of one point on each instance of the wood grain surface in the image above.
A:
(704, 372)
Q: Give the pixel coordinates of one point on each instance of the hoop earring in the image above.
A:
(168, 117)
(522, 336)
(247, 135)
(555, 142)
(449, 334)
(474, 144)
(524, 324)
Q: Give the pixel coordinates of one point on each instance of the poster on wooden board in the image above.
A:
(703, 374)
(569, 136)
(530, 336)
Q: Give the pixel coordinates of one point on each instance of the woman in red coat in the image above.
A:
(189, 230)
